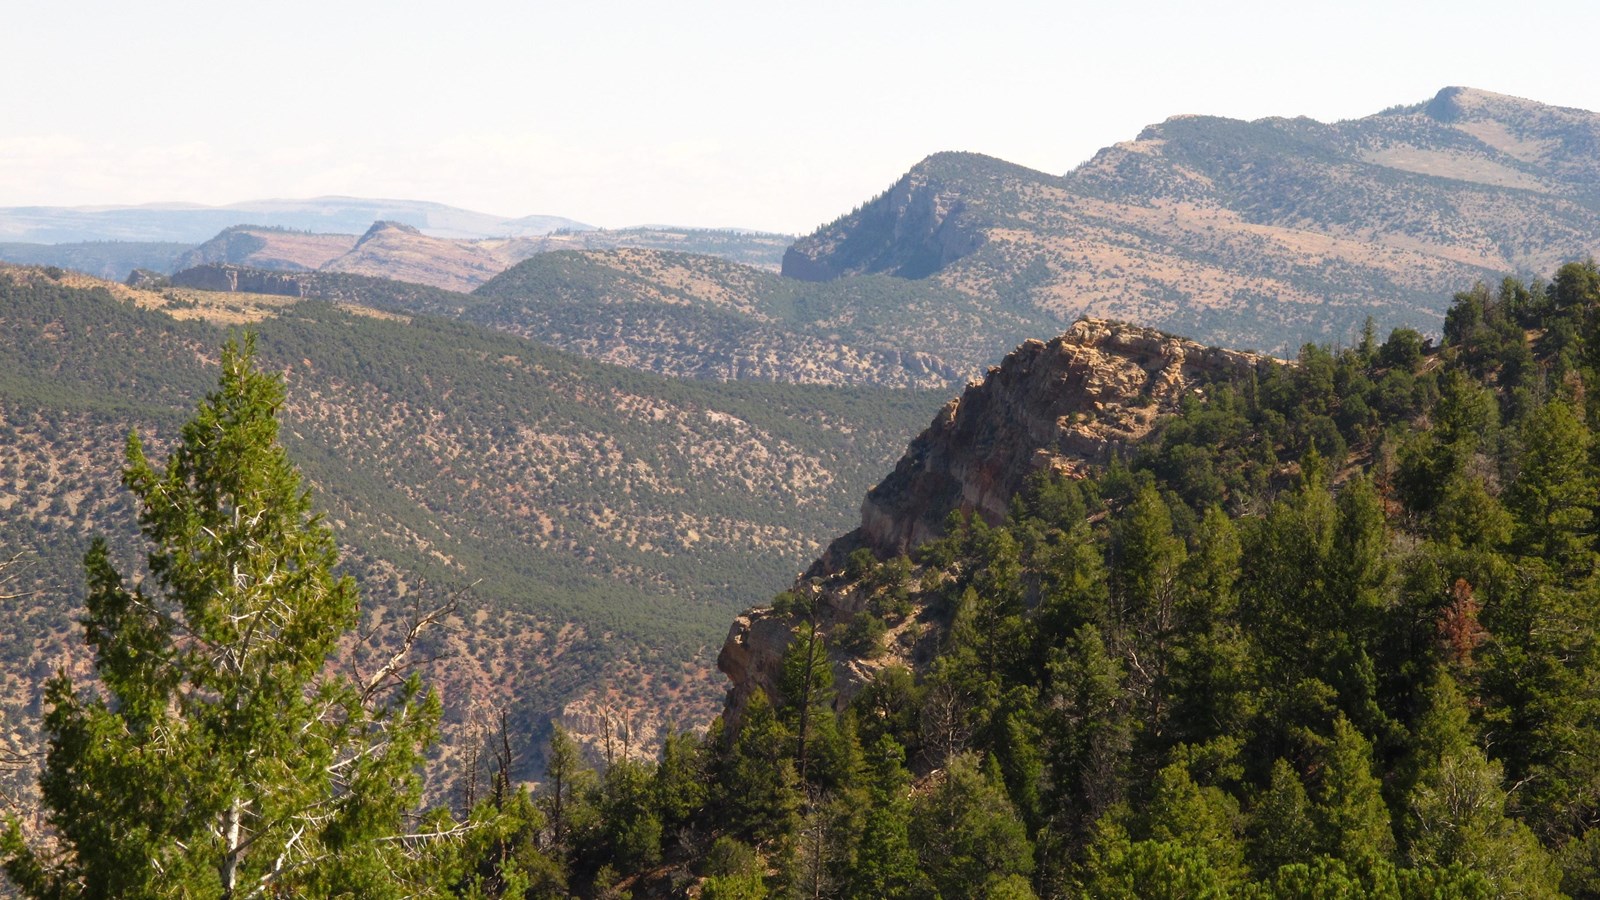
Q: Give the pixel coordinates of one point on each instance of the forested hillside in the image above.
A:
(703, 317)
(694, 316)
(604, 524)
(1330, 632)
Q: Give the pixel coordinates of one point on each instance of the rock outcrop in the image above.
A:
(1064, 405)
(1076, 400)
(238, 279)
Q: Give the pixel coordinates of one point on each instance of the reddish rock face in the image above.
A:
(1066, 404)
(1097, 388)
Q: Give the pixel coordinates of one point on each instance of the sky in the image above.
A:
(777, 117)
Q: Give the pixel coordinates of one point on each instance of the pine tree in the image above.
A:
(1209, 682)
(1203, 818)
(567, 781)
(886, 865)
(807, 691)
(1280, 830)
(218, 756)
(1456, 811)
(1090, 733)
(1553, 495)
(1355, 823)
(966, 831)
(680, 780)
(760, 788)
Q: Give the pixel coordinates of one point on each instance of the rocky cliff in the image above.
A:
(1070, 403)
(230, 278)
(1096, 389)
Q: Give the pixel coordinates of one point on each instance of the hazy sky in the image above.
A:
(747, 114)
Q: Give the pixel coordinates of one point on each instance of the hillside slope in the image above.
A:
(704, 317)
(1259, 234)
(690, 316)
(1313, 629)
(751, 248)
(602, 523)
(386, 250)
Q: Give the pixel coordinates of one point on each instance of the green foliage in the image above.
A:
(1251, 661)
(454, 456)
(1456, 814)
(966, 832)
(1353, 823)
(219, 754)
(759, 784)
(1553, 494)
(1280, 824)
(1239, 665)
(1403, 350)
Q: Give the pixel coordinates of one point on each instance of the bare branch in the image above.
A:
(401, 660)
(10, 569)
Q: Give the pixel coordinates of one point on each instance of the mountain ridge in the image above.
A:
(194, 223)
(1266, 233)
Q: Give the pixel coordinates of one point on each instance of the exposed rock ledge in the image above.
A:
(1066, 404)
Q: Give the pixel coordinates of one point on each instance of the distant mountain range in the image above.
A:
(193, 223)
(387, 249)
(1264, 234)
(1261, 235)
(400, 252)
(1258, 234)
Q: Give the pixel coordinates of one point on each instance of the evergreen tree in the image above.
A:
(1554, 494)
(631, 826)
(1089, 732)
(1354, 824)
(680, 780)
(1280, 828)
(1456, 812)
(807, 692)
(1146, 557)
(886, 865)
(759, 786)
(966, 832)
(1203, 818)
(1210, 679)
(567, 783)
(219, 757)
(1119, 868)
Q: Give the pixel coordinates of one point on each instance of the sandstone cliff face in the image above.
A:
(1066, 404)
(1097, 388)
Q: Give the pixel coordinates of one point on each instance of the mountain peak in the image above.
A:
(1457, 103)
(382, 225)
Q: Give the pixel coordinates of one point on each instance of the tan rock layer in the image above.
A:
(1066, 404)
